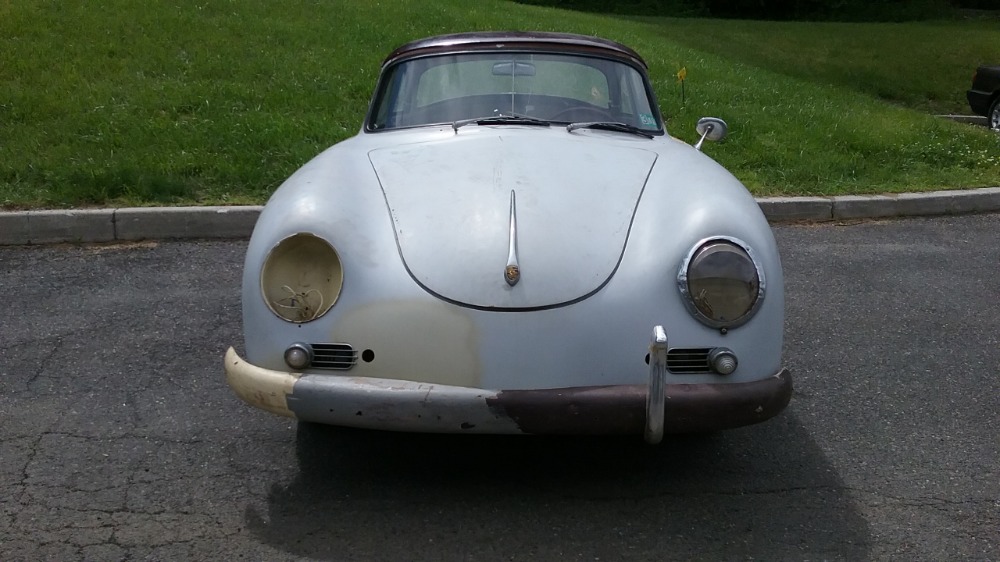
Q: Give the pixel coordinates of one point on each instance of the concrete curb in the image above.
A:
(970, 119)
(127, 224)
(843, 207)
(179, 223)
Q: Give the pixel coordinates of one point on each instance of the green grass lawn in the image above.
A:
(217, 101)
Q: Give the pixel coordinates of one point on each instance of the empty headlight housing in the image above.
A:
(721, 283)
(301, 278)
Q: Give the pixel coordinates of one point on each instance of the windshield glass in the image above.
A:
(554, 87)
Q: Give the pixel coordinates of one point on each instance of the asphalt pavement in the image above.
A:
(119, 438)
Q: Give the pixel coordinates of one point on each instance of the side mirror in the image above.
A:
(710, 128)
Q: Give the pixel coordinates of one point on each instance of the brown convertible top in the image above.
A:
(516, 40)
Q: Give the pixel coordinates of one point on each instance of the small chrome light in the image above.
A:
(722, 360)
(299, 355)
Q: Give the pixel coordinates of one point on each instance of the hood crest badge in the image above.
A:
(512, 273)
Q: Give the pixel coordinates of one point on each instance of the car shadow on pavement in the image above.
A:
(760, 492)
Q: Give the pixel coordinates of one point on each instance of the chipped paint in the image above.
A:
(261, 388)
(597, 410)
(396, 405)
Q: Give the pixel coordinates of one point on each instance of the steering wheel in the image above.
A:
(582, 113)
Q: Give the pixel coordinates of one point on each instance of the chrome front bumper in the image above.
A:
(395, 405)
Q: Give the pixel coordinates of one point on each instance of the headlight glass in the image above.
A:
(301, 278)
(722, 284)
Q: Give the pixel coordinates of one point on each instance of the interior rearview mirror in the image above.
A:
(513, 68)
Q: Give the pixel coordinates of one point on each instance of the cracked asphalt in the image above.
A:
(120, 440)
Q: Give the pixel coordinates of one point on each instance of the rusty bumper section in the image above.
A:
(622, 409)
(410, 406)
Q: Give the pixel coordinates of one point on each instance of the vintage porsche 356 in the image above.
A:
(513, 244)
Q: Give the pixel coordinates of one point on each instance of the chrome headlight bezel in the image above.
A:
(688, 298)
(305, 270)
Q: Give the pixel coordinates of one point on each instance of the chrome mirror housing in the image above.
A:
(710, 128)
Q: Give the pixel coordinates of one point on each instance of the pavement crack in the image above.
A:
(921, 501)
(32, 454)
(43, 367)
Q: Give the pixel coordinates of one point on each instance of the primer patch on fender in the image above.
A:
(421, 341)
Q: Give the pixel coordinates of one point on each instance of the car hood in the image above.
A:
(450, 202)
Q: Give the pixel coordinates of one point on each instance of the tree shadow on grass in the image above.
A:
(761, 492)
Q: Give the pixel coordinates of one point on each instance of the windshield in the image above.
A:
(553, 87)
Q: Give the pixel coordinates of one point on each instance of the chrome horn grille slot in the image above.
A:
(689, 361)
(334, 356)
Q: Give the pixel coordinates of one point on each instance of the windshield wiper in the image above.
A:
(501, 119)
(609, 126)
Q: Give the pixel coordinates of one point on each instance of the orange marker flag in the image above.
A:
(681, 76)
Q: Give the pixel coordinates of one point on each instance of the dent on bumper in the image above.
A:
(411, 406)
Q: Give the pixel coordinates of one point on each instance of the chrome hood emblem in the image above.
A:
(512, 273)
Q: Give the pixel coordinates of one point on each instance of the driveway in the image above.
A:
(120, 440)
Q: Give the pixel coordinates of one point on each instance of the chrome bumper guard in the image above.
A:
(656, 393)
